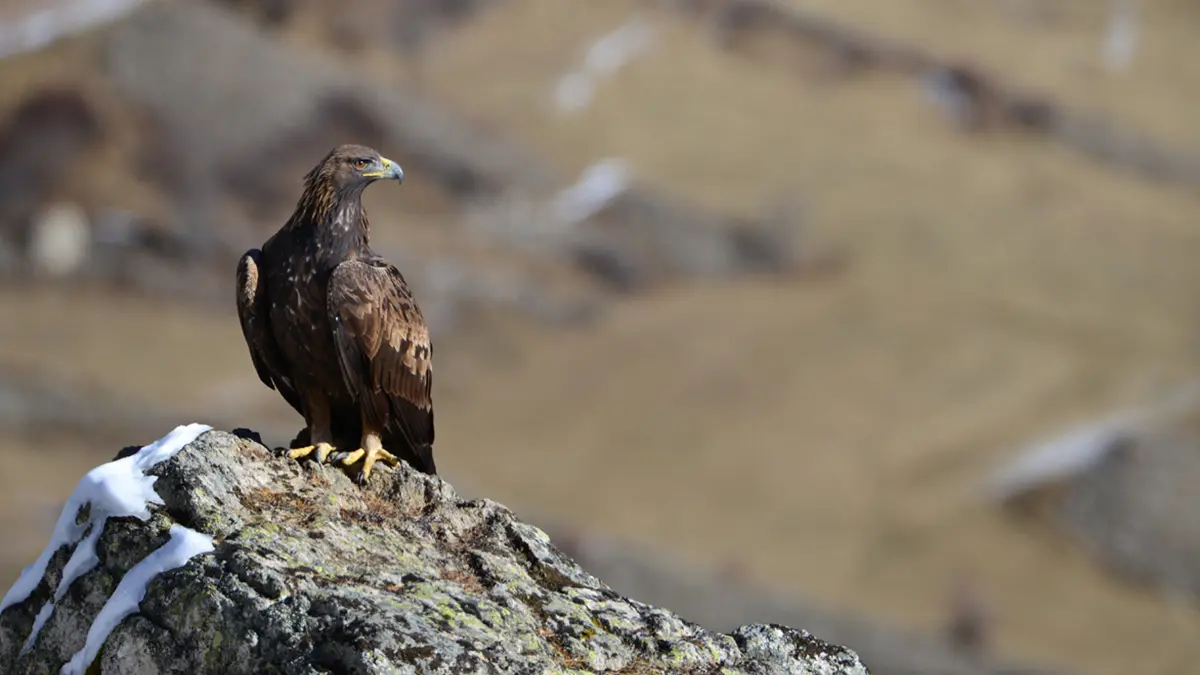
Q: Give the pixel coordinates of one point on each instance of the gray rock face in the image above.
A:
(313, 574)
(1138, 511)
(718, 601)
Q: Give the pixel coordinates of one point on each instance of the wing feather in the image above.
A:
(252, 307)
(384, 348)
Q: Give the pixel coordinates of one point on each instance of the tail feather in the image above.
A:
(421, 459)
(418, 456)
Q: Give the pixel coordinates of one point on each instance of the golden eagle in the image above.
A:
(333, 326)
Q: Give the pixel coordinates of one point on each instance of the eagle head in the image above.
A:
(350, 168)
(333, 188)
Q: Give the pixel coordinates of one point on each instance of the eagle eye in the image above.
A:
(362, 163)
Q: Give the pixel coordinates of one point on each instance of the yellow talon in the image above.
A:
(369, 458)
(322, 450)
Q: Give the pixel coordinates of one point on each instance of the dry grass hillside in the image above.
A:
(828, 435)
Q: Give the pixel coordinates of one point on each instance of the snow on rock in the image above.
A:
(38, 622)
(59, 239)
(1121, 41)
(1059, 458)
(117, 489)
(41, 27)
(574, 91)
(599, 184)
(605, 56)
(1084, 447)
(184, 545)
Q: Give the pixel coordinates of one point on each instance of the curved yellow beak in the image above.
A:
(389, 169)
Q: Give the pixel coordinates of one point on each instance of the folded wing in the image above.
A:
(385, 354)
(253, 312)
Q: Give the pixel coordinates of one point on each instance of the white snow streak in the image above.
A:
(116, 489)
(38, 622)
(1061, 457)
(42, 27)
(184, 545)
(1121, 42)
(599, 184)
(606, 56)
(1080, 449)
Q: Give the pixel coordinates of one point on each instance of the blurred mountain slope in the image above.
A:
(1000, 287)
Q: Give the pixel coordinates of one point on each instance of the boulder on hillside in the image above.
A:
(207, 553)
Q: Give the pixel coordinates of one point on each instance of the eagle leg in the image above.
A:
(322, 451)
(371, 451)
(320, 437)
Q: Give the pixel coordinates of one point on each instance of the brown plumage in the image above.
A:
(334, 328)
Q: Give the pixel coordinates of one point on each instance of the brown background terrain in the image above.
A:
(827, 434)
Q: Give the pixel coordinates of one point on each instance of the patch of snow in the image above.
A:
(60, 237)
(1080, 449)
(1060, 458)
(184, 545)
(611, 52)
(40, 28)
(116, 489)
(38, 622)
(606, 55)
(599, 184)
(574, 92)
(1121, 42)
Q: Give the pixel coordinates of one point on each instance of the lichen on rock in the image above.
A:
(312, 574)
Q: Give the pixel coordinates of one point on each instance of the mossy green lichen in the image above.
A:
(530, 644)
(214, 656)
(492, 614)
(685, 655)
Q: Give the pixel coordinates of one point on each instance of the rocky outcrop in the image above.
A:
(1137, 511)
(720, 599)
(309, 573)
